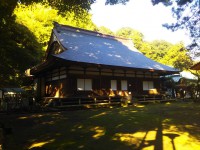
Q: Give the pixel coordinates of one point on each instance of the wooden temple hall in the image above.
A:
(86, 67)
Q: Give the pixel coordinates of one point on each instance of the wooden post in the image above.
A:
(79, 101)
(100, 77)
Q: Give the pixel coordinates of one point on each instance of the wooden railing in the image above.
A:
(77, 101)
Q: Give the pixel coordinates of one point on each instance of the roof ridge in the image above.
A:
(58, 27)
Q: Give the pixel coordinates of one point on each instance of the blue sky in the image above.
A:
(139, 15)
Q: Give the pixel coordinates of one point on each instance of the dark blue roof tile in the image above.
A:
(91, 47)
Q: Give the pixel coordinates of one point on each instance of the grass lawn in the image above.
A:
(170, 126)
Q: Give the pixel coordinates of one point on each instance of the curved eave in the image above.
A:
(43, 66)
(86, 64)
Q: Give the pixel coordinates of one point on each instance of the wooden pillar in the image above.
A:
(84, 76)
(100, 84)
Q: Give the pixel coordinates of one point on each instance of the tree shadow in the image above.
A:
(172, 136)
(116, 128)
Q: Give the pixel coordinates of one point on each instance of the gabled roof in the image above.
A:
(92, 47)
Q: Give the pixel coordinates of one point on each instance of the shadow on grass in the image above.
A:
(159, 126)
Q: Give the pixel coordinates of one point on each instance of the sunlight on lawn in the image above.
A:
(139, 106)
(99, 115)
(136, 138)
(147, 140)
(172, 126)
(40, 144)
(179, 140)
(99, 131)
(32, 116)
(23, 118)
(175, 139)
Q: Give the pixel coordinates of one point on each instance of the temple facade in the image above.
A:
(82, 63)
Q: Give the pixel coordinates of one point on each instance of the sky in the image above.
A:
(140, 15)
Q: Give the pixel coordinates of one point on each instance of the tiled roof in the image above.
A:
(92, 47)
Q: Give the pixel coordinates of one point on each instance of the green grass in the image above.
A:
(153, 126)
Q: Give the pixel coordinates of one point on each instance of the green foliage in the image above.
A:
(196, 87)
(186, 13)
(6, 13)
(149, 126)
(157, 49)
(178, 57)
(175, 55)
(154, 50)
(125, 32)
(38, 18)
(161, 51)
(24, 40)
(105, 30)
(135, 35)
(18, 50)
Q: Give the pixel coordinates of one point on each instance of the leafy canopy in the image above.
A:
(24, 37)
(175, 55)
(39, 18)
(187, 14)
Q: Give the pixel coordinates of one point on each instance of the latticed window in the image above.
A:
(147, 85)
(84, 84)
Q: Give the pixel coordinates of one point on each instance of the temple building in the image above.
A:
(85, 64)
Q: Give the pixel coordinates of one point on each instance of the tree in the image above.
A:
(135, 35)
(154, 50)
(177, 56)
(25, 38)
(39, 18)
(105, 30)
(157, 49)
(196, 89)
(189, 21)
(18, 51)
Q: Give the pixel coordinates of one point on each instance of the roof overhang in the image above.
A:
(56, 62)
(125, 68)
(44, 66)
